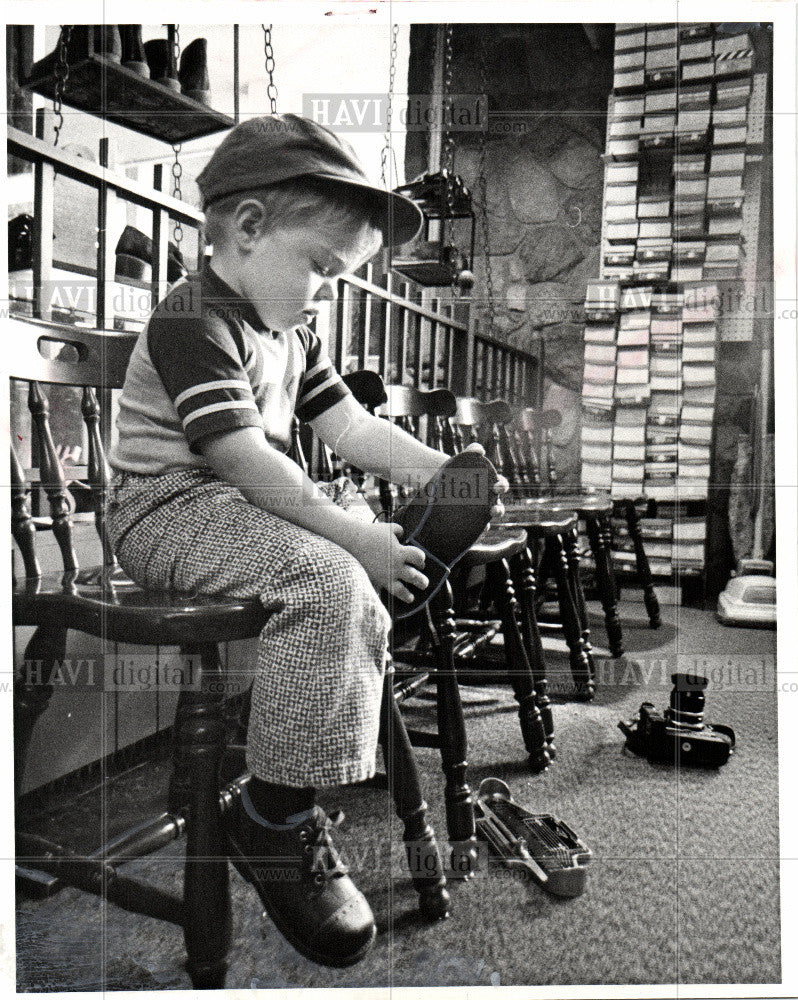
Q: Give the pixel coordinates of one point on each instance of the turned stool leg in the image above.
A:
(460, 819)
(571, 542)
(206, 893)
(598, 533)
(524, 576)
(581, 667)
(518, 667)
(643, 569)
(426, 868)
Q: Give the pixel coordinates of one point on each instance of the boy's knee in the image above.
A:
(336, 581)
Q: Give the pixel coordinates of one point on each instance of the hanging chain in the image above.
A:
(447, 154)
(268, 51)
(177, 167)
(483, 191)
(386, 149)
(61, 77)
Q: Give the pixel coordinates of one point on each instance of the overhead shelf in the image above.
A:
(103, 88)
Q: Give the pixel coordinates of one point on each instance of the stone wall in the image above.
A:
(547, 92)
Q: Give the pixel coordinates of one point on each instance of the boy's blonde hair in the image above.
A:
(327, 206)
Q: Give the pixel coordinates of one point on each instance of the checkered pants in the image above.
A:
(321, 661)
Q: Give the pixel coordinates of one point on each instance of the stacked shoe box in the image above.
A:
(675, 170)
(598, 385)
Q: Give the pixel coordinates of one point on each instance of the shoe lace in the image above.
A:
(326, 862)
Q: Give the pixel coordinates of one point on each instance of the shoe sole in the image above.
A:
(244, 869)
(469, 478)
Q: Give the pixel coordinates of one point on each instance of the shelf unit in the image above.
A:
(100, 86)
(660, 70)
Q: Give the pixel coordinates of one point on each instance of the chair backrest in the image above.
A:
(94, 362)
(421, 412)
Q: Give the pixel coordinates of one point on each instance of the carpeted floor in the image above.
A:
(684, 886)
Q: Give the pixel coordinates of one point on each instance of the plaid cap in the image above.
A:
(274, 148)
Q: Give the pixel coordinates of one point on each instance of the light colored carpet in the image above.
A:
(684, 886)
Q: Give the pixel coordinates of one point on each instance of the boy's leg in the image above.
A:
(316, 694)
(318, 684)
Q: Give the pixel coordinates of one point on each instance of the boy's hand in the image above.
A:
(501, 485)
(389, 564)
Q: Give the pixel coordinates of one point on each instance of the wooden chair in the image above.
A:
(436, 647)
(103, 602)
(550, 530)
(521, 443)
(531, 433)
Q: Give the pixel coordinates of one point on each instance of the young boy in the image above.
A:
(206, 500)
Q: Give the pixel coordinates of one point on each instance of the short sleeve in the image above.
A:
(321, 386)
(202, 370)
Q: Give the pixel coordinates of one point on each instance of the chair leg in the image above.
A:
(200, 744)
(524, 576)
(424, 860)
(581, 666)
(599, 535)
(571, 542)
(460, 819)
(32, 691)
(518, 667)
(643, 569)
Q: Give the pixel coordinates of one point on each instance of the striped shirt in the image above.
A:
(206, 364)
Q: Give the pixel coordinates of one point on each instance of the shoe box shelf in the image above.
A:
(101, 87)
(667, 77)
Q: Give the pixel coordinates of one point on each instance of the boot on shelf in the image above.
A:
(134, 254)
(20, 243)
(194, 80)
(161, 60)
(104, 41)
(133, 56)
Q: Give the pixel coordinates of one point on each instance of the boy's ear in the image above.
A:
(250, 222)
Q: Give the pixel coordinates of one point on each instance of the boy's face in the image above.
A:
(290, 273)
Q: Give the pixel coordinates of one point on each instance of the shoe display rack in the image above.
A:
(98, 85)
(679, 256)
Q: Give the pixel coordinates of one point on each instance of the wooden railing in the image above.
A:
(425, 338)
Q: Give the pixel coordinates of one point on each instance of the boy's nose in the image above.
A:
(328, 290)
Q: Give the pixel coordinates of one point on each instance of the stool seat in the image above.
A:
(493, 544)
(582, 503)
(543, 520)
(104, 602)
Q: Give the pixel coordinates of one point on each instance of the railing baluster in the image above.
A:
(43, 213)
(160, 242)
(106, 258)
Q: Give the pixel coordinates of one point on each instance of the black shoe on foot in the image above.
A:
(303, 884)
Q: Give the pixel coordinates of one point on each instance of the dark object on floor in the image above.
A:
(194, 80)
(161, 59)
(134, 255)
(680, 735)
(303, 884)
(133, 56)
(20, 243)
(544, 846)
(445, 518)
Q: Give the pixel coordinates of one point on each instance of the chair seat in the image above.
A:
(495, 543)
(104, 602)
(582, 503)
(544, 520)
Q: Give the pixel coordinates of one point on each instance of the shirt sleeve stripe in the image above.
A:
(306, 397)
(235, 404)
(222, 383)
(319, 367)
